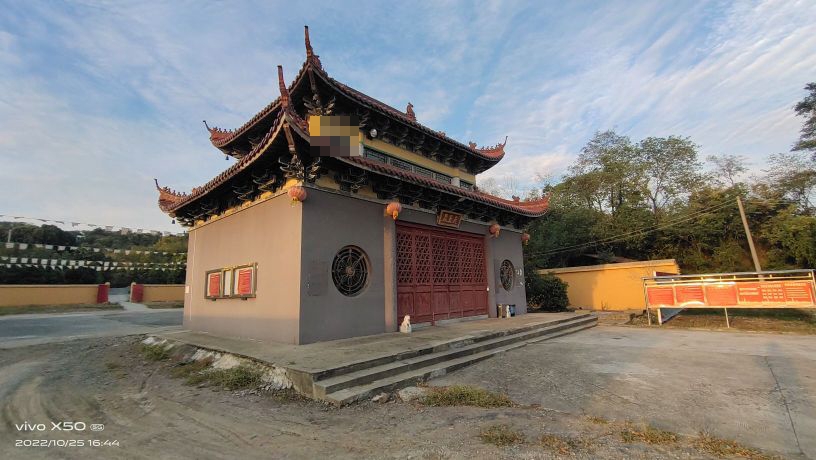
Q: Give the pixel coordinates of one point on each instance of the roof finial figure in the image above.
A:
(310, 55)
(283, 90)
(410, 111)
(309, 50)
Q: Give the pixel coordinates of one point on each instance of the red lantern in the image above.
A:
(297, 194)
(494, 230)
(393, 209)
(525, 238)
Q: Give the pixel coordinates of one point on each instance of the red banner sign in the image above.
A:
(214, 284)
(735, 294)
(244, 281)
(663, 296)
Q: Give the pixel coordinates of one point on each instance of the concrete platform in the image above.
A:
(341, 371)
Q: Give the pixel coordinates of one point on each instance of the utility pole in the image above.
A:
(748, 235)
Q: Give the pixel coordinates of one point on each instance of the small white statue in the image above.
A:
(405, 327)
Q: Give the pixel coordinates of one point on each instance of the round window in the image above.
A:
(350, 270)
(507, 274)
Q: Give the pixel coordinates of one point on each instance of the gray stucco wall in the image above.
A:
(268, 233)
(331, 222)
(294, 246)
(508, 246)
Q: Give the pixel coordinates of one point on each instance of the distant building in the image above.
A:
(339, 216)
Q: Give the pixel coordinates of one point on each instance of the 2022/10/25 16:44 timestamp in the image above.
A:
(65, 427)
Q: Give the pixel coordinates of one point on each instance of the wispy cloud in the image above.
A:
(98, 98)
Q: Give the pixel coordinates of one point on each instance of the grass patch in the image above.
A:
(560, 444)
(173, 304)
(597, 420)
(236, 378)
(155, 352)
(793, 320)
(727, 448)
(68, 308)
(647, 434)
(501, 436)
(191, 371)
(463, 395)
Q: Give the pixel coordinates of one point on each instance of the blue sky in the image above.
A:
(98, 98)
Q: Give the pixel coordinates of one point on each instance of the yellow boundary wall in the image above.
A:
(47, 294)
(163, 293)
(610, 286)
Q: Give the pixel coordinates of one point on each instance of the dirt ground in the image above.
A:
(786, 320)
(153, 415)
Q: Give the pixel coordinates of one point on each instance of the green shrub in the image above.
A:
(546, 292)
(156, 352)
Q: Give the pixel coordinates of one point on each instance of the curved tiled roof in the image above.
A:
(492, 154)
(534, 208)
(168, 197)
(177, 200)
(222, 137)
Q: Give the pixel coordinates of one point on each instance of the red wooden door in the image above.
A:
(441, 274)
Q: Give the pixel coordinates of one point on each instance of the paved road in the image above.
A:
(757, 388)
(24, 330)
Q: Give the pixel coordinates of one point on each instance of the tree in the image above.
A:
(794, 177)
(670, 168)
(607, 173)
(807, 108)
(728, 169)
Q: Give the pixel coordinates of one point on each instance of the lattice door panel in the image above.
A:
(440, 274)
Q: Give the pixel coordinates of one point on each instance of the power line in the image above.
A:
(641, 231)
(624, 236)
(647, 230)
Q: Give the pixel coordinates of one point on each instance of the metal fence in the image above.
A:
(771, 289)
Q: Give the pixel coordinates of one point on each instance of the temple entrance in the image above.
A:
(441, 274)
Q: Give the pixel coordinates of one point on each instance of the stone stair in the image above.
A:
(359, 380)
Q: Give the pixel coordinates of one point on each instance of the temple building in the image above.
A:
(339, 216)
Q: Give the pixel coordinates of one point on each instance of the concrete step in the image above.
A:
(364, 376)
(397, 376)
(349, 368)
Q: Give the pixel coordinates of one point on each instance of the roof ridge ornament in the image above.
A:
(410, 111)
(310, 55)
(216, 133)
(284, 97)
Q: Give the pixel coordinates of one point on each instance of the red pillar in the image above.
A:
(102, 293)
(136, 292)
